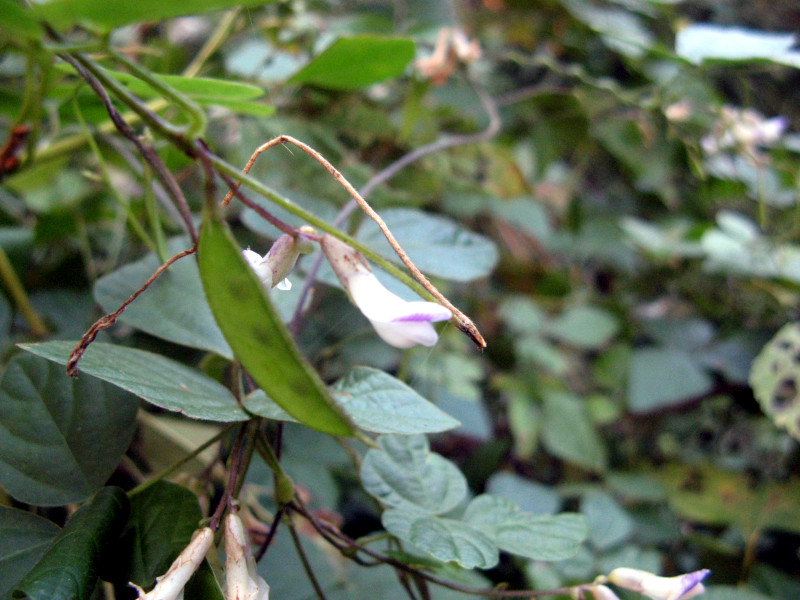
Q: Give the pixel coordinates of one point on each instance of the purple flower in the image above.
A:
(398, 322)
(680, 587)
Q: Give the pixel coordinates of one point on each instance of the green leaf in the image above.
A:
(439, 247)
(17, 20)
(568, 433)
(447, 540)
(405, 472)
(173, 308)
(113, 13)
(775, 376)
(662, 377)
(24, 537)
(375, 401)
(609, 524)
(538, 537)
(154, 378)
(378, 402)
(584, 326)
(68, 570)
(530, 496)
(355, 62)
(700, 42)
(60, 438)
(198, 88)
(257, 335)
(243, 107)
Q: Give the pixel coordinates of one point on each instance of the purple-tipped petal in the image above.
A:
(691, 585)
(423, 311)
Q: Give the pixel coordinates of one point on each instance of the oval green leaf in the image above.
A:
(447, 540)
(438, 246)
(154, 378)
(355, 62)
(258, 337)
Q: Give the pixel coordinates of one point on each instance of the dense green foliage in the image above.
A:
(608, 190)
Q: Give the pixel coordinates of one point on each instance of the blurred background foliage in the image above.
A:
(641, 198)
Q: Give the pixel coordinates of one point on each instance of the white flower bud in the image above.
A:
(170, 585)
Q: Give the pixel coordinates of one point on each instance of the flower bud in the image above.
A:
(170, 585)
(273, 268)
(242, 582)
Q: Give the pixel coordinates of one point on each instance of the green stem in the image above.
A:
(212, 44)
(20, 297)
(134, 223)
(152, 214)
(284, 486)
(175, 466)
(196, 114)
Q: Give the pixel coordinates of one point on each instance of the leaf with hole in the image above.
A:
(775, 379)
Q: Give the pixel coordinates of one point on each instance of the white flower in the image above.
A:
(170, 585)
(680, 587)
(242, 582)
(398, 322)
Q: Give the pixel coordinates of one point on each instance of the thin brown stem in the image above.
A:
(347, 545)
(108, 320)
(306, 564)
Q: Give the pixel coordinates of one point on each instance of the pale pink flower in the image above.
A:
(398, 322)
